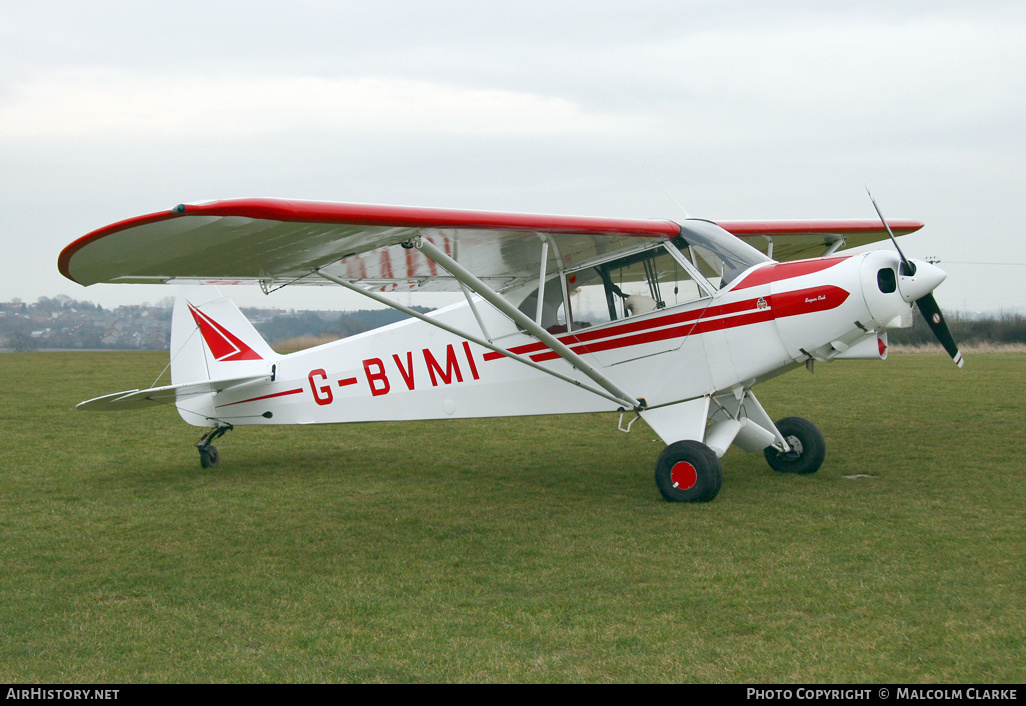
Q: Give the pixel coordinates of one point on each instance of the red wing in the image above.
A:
(275, 241)
(794, 240)
(278, 242)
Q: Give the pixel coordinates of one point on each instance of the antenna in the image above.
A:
(665, 191)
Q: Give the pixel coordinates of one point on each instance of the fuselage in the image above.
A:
(766, 320)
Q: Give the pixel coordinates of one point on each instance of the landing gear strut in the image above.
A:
(207, 451)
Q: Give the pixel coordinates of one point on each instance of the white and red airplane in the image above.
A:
(672, 322)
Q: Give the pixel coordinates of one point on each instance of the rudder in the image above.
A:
(211, 339)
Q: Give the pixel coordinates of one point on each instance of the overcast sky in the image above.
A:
(739, 110)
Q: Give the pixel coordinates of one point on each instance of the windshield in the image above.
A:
(718, 255)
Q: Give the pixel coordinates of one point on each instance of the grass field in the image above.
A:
(513, 550)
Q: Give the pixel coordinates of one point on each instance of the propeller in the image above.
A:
(935, 320)
(926, 303)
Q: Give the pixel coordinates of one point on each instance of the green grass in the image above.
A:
(513, 549)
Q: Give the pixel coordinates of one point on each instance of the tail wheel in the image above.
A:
(688, 472)
(208, 456)
(207, 451)
(808, 447)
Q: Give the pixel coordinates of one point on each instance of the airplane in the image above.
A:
(670, 322)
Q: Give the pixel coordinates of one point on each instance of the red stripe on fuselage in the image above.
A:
(696, 321)
(788, 270)
(264, 397)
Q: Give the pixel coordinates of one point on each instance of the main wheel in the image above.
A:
(688, 472)
(208, 456)
(808, 448)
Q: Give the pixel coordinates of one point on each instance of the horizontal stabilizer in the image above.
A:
(169, 394)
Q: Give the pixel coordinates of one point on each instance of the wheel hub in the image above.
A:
(796, 447)
(683, 475)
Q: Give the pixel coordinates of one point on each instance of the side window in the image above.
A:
(552, 306)
(629, 286)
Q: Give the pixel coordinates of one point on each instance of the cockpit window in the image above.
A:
(717, 254)
(704, 257)
(628, 286)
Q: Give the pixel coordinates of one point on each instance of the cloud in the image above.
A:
(76, 105)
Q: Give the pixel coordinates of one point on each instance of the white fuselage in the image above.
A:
(769, 319)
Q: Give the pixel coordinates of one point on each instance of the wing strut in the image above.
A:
(492, 297)
(462, 334)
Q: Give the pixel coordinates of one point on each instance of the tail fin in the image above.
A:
(212, 340)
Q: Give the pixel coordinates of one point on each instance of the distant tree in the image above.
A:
(296, 324)
(1004, 327)
(285, 326)
(22, 343)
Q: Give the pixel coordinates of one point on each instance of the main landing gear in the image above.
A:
(690, 471)
(207, 451)
(808, 448)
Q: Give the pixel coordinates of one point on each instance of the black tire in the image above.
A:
(209, 456)
(808, 447)
(688, 472)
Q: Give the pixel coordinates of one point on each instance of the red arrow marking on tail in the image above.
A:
(224, 345)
